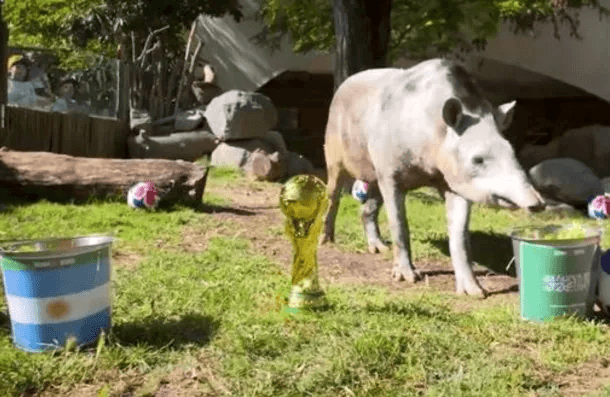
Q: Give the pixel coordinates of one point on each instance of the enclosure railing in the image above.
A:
(72, 134)
(76, 134)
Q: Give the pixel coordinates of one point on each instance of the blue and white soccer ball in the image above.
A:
(143, 195)
(360, 190)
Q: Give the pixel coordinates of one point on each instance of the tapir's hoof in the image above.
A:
(473, 289)
(404, 273)
(378, 247)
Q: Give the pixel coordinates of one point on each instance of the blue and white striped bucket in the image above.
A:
(57, 289)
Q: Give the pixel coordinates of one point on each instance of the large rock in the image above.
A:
(205, 92)
(187, 146)
(566, 180)
(590, 145)
(189, 120)
(257, 157)
(297, 164)
(276, 140)
(239, 114)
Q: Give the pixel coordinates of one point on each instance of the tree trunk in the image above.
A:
(61, 177)
(362, 34)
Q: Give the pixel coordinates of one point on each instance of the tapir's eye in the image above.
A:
(478, 160)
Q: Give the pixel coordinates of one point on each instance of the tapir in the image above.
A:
(428, 125)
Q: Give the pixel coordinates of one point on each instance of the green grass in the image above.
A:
(222, 309)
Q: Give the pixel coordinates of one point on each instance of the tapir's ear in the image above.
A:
(452, 112)
(504, 115)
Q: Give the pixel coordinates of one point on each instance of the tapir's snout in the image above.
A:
(524, 196)
(540, 204)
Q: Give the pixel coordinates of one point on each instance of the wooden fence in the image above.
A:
(72, 134)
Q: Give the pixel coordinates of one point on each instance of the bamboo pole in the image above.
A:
(185, 66)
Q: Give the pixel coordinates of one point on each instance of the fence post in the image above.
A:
(123, 110)
(3, 72)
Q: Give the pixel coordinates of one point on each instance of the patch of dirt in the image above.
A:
(335, 265)
(195, 379)
(340, 267)
(125, 259)
(584, 379)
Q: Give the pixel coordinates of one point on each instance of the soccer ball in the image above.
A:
(143, 195)
(599, 207)
(360, 190)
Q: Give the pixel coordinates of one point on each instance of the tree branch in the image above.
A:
(149, 51)
(133, 47)
(149, 40)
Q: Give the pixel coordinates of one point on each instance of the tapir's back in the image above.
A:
(368, 110)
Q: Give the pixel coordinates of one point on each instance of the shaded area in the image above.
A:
(190, 328)
(427, 196)
(5, 320)
(492, 251)
(212, 209)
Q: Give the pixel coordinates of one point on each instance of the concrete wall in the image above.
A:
(523, 66)
(241, 64)
(580, 63)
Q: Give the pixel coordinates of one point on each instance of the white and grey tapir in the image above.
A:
(428, 125)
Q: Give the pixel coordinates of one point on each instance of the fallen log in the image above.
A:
(60, 177)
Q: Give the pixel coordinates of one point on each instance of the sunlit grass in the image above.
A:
(225, 306)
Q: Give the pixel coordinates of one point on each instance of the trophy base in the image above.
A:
(306, 300)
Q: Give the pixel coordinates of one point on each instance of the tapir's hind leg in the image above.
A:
(336, 179)
(370, 213)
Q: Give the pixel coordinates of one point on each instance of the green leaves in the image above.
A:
(82, 30)
(417, 26)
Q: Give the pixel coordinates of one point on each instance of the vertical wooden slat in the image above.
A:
(67, 127)
(56, 133)
(3, 72)
(72, 134)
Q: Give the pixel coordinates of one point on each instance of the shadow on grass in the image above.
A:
(492, 251)
(9, 203)
(426, 196)
(211, 209)
(4, 320)
(204, 208)
(410, 310)
(160, 332)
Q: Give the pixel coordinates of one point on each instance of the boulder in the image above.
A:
(205, 92)
(530, 155)
(601, 147)
(566, 180)
(264, 166)
(276, 140)
(237, 115)
(590, 145)
(189, 120)
(606, 184)
(297, 164)
(187, 146)
(257, 157)
(139, 117)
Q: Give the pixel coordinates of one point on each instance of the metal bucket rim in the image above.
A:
(106, 240)
(596, 233)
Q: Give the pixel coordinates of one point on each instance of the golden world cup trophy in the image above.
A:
(304, 201)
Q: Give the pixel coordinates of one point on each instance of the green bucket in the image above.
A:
(556, 277)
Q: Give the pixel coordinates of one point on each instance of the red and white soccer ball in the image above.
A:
(143, 195)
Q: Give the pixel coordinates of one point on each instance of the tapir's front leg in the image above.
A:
(458, 217)
(394, 199)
